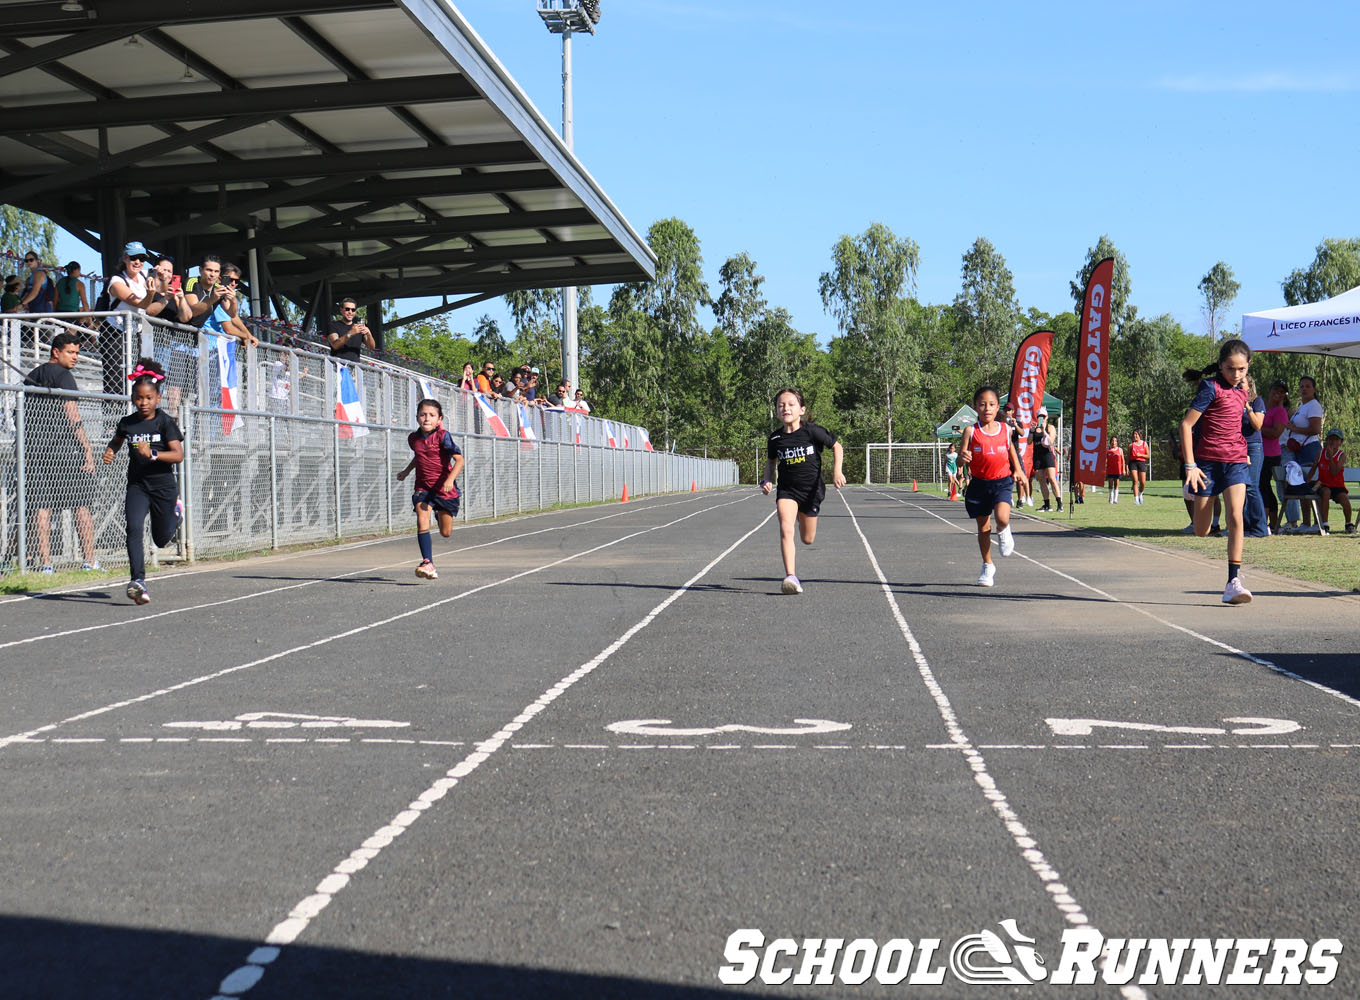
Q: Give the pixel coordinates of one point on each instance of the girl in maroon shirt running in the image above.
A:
(1216, 451)
(437, 462)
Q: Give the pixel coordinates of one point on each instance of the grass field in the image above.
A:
(1332, 561)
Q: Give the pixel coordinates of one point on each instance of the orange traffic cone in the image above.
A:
(913, 487)
(953, 490)
(693, 486)
(624, 498)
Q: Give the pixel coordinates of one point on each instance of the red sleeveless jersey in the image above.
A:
(991, 458)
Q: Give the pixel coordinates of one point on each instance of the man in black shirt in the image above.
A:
(346, 335)
(58, 468)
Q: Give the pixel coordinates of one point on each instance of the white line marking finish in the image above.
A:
(306, 910)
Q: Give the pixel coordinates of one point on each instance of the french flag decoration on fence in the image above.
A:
(230, 377)
(646, 439)
(528, 439)
(493, 420)
(349, 405)
(609, 434)
(624, 428)
(580, 427)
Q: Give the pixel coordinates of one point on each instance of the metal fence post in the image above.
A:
(187, 482)
(23, 496)
(335, 453)
(493, 478)
(273, 485)
(387, 489)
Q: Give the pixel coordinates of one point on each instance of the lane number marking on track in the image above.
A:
(287, 720)
(664, 727)
(1246, 726)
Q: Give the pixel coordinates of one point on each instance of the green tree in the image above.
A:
(987, 314)
(1335, 269)
(740, 305)
(1219, 290)
(21, 231)
(1119, 297)
(864, 292)
(491, 345)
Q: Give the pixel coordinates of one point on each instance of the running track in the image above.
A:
(311, 775)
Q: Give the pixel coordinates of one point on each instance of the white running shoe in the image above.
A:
(426, 571)
(988, 575)
(1007, 541)
(1236, 592)
(791, 585)
(1029, 501)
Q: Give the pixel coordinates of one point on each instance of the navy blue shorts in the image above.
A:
(1218, 476)
(982, 495)
(448, 505)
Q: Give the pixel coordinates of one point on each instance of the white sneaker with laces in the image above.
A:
(988, 575)
(791, 585)
(1236, 592)
(1007, 541)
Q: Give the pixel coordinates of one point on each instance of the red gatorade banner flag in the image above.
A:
(1093, 378)
(1028, 378)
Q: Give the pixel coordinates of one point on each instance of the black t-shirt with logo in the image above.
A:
(158, 432)
(798, 456)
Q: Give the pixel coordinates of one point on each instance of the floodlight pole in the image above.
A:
(563, 17)
(570, 345)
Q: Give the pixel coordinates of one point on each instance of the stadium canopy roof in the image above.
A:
(376, 148)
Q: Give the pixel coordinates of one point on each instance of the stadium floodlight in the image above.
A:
(565, 16)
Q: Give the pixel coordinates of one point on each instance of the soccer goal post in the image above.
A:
(904, 462)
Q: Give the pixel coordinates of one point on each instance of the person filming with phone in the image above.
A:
(347, 335)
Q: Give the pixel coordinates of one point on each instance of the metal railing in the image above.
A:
(256, 479)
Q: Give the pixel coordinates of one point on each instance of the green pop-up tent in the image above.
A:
(1052, 404)
(963, 417)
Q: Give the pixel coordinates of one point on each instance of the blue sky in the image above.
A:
(1190, 133)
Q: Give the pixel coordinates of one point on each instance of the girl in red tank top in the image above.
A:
(994, 467)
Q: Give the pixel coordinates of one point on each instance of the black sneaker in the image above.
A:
(136, 591)
(1060, 506)
(1044, 508)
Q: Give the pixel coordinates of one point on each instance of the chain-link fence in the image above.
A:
(256, 479)
(902, 462)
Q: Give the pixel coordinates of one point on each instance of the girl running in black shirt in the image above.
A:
(795, 450)
(154, 444)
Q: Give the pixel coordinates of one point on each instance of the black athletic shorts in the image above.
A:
(810, 501)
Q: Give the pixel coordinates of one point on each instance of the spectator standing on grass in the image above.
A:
(38, 294)
(58, 461)
(1114, 468)
(1140, 460)
(1304, 442)
(347, 336)
(1254, 521)
(1272, 429)
(1043, 441)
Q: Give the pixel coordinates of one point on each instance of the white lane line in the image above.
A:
(1060, 894)
(1225, 647)
(142, 619)
(1029, 747)
(327, 640)
(309, 907)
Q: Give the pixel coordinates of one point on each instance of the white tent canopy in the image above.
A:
(1328, 327)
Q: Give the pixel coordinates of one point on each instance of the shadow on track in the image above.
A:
(1332, 670)
(60, 960)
